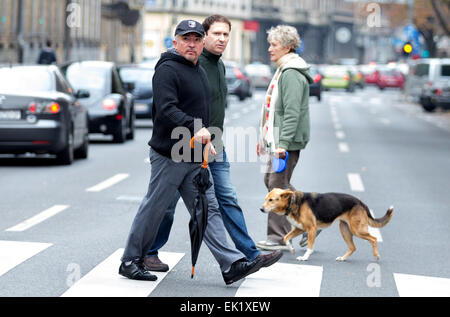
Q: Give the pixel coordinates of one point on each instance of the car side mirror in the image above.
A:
(80, 94)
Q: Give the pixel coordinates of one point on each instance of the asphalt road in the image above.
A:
(372, 144)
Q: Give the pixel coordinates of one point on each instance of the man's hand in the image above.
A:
(202, 136)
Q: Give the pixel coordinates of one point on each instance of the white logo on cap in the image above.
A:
(191, 24)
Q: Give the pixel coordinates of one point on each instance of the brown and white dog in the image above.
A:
(308, 212)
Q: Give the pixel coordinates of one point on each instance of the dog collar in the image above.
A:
(288, 209)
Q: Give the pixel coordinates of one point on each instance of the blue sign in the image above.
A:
(168, 42)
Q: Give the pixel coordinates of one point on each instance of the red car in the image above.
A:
(390, 78)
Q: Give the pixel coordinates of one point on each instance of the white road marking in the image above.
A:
(44, 215)
(375, 231)
(421, 286)
(105, 281)
(355, 181)
(337, 126)
(283, 280)
(343, 147)
(340, 135)
(130, 198)
(12, 253)
(108, 183)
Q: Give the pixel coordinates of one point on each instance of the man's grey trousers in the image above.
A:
(166, 177)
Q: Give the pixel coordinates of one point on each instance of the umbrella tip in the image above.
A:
(192, 273)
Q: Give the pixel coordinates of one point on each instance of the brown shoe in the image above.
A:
(270, 258)
(153, 263)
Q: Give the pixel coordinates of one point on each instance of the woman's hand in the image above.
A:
(280, 153)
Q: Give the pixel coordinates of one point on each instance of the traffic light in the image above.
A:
(407, 49)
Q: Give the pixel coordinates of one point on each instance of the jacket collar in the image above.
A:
(210, 55)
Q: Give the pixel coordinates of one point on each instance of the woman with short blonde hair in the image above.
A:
(284, 125)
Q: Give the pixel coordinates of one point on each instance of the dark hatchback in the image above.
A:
(238, 82)
(315, 89)
(110, 106)
(40, 113)
(138, 81)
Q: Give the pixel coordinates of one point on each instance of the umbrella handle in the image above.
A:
(205, 153)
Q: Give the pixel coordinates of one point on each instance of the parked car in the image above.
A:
(426, 75)
(390, 78)
(436, 94)
(315, 89)
(238, 82)
(138, 81)
(357, 76)
(110, 106)
(40, 113)
(260, 74)
(338, 76)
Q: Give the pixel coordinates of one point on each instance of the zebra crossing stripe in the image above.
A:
(12, 253)
(421, 286)
(283, 280)
(105, 281)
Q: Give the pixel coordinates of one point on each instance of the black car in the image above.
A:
(315, 89)
(238, 83)
(138, 81)
(110, 106)
(40, 113)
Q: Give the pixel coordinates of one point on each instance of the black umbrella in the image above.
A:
(199, 217)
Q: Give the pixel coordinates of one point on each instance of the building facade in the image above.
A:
(76, 29)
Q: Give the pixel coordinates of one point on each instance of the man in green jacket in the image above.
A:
(217, 29)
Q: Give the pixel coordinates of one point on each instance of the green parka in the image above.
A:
(291, 115)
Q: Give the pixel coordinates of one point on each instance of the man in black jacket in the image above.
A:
(217, 29)
(180, 101)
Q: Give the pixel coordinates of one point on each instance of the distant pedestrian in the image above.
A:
(181, 96)
(47, 56)
(284, 125)
(217, 29)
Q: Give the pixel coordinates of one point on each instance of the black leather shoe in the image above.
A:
(241, 269)
(136, 271)
(270, 258)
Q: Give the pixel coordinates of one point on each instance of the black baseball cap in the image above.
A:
(189, 26)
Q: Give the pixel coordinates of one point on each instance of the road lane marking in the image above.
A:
(136, 199)
(108, 183)
(343, 147)
(12, 253)
(355, 181)
(283, 280)
(421, 286)
(42, 216)
(105, 281)
(375, 231)
(340, 135)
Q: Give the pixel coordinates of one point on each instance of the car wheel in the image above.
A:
(66, 156)
(428, 106)
(82, 151)
(130, 134)
(119, 135)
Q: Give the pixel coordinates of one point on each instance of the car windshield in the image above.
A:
(89, 78)
(19, 79)
(390, 73)
(336, 71)
(140, 76)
